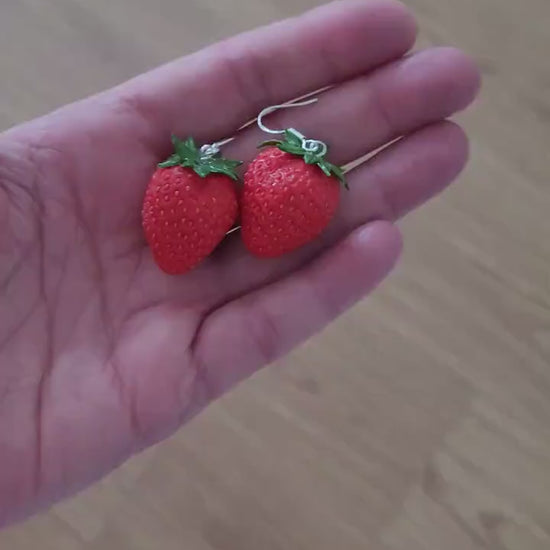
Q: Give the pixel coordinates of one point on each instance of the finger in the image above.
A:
(210, 94)
(404, 176)
(396, 180)
(363, 114)
(213, 92)
(257, 329)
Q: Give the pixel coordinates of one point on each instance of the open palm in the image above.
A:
(102, 354)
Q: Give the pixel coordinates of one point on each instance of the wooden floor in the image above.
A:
(421, 421)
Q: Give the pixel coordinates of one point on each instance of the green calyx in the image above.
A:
(293, 143)
(202, 162)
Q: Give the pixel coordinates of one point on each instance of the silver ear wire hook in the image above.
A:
(309, 145)
(273, 108)
(212, 149)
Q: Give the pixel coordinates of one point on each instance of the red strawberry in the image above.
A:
(290, 194)
(190, 204)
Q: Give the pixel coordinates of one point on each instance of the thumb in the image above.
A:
(260, 327)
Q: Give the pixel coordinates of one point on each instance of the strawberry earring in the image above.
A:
(190, 204)
(291, 191)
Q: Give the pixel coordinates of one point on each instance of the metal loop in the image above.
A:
(273, 108)
(210, 150)
(309, 145)
(315, 146)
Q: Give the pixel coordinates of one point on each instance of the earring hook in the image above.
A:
(273, 108)
(309, 145)
(211, 149)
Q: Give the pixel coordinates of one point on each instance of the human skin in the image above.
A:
(101, 354)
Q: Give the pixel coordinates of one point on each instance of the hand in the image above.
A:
(101, 354)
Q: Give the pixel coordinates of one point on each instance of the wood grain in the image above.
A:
(421, 420)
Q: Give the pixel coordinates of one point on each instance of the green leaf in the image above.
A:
(179, 147)
(188, 162)
(190, 144)
(339, 173)
(216, 165)
(312, 158)
(188, 155)
(174, 160)
(225, 171)
(232, 163)
(186, 150)
(270, 143)
(202, 170)
(292, 138)
(325, 167)
(290, 148)
(175, 141)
